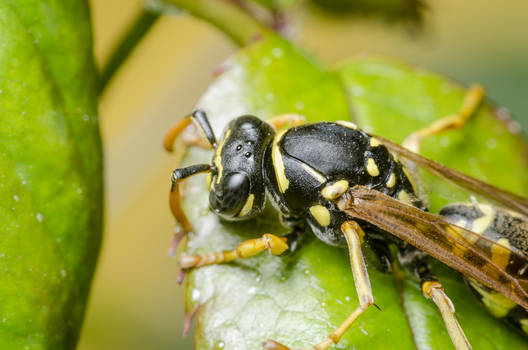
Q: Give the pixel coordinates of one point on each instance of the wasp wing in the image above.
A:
(508, 199)
(496, 266)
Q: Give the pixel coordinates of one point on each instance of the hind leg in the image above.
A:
(471, 102)
(415, 261)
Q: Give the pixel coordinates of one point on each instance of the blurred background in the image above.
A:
(135, 301)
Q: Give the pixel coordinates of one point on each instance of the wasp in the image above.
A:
(351, 187)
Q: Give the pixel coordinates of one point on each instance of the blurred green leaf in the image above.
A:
(299, 298)
(51, 178)
(385, 93)
(161, 7)
(282, 5)
(392, 10)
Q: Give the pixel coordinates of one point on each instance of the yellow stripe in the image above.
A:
(486, 209)
(208, 179)
(321, 214)
(347, 124)
(335, 190)
(392, 180)
(218, 156)
(481, 224)
(314, 173)
(497, 304)
(247, 206)
(411, 180)
(455, 233)
(524, 325)
(404, 197)
(374, 142)
(500, 252)
(372, 167)
(278, 164)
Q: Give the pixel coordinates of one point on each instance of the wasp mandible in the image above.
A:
(351, 187)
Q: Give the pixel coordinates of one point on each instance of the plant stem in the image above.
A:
(229, 18)
(140, 26)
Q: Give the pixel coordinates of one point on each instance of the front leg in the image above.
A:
(297, 226)
(294, 238)
(200, 120)
(354, 235)
(185, 226)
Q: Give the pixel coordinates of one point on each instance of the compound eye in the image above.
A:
(230, 194)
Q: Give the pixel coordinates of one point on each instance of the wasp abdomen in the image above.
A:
(505, 228)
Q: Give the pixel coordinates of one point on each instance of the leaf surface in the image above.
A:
(298, 299)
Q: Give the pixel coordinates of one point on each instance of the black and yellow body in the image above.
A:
(348, 187)
(298, 167)
(307, 166)
(505, 228)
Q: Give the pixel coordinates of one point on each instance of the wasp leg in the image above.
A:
(174, 201)
(294, 238)
(200, 119)
(275, 245)
(353, 234)
(434, 290)
(471, 102)
(415, 261)
(192, 137)
(282, 120)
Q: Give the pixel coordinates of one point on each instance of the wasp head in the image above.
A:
(236, 185)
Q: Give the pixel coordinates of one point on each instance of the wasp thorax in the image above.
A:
(237, 189)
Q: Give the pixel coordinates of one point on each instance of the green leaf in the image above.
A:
(298, 299)
(51, 172)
